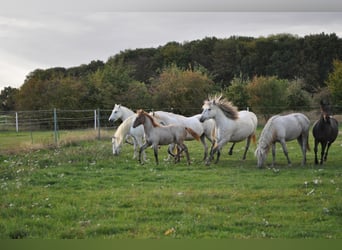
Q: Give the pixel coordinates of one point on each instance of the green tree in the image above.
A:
(113, 82)
(334, 83)
(237, 93)
(181, 91)
(297, 98)
(7, 98)
(267, 95)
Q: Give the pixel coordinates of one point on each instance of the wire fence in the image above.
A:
(55, 121)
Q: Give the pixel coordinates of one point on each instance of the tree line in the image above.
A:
(282, 70)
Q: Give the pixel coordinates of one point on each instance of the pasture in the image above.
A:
(79, 190)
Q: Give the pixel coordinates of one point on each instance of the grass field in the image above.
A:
(80, 190)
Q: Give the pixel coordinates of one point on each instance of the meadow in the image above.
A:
(79, 190)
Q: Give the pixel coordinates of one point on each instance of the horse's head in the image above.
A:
(325, 110)
(116, 147)
(209, 111)
(260, 154)
(116, 113)
(140, 119)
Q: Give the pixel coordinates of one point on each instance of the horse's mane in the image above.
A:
(267, 135)
(142, 112)
(123, 129)
(226, 106)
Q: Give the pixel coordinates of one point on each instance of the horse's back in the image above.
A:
(169, 134)
(248, 116)
(291, 126)
(176, 119)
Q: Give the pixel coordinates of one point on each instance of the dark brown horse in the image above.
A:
(325, 131)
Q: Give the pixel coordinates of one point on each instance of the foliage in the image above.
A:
(297, 98)
(237, 93)
(7, 98)
(268, 95)
(334, 83)
(100, 84)
(181, 90)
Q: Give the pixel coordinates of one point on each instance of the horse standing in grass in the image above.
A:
(281, 129)
(231, 125)
(205, 129)
(325, 131)
(157, 134)
(137, 134)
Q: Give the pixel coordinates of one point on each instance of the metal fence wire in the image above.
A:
(54, 119)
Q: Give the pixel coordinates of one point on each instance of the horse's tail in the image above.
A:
(254, 139)
(193, 134)
(308, 145)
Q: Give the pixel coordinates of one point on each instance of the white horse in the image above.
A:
(137, 134)
(281, 129)
(157, 134)
(205, 129)
(231, 125)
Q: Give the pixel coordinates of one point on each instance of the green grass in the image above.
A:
(80, 190)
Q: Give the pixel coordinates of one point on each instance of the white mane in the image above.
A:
(122, 131)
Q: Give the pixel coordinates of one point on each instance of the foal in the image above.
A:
(157, 134)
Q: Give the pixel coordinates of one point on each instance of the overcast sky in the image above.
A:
(31, 39)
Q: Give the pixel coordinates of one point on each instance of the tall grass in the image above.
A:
(80, 190)
(25, 141)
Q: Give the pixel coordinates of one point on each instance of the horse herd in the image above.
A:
(220, 123)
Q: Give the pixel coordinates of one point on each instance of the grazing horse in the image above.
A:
(157, 134)
(325, 131)
(231, 125)
(282, 128)
(205, 129)
(120, 136)
(137, 134)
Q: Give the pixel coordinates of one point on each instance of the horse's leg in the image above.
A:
(248, 142)
(185, 149)
(209, 159)
(231, 149)
(135, 146)
(170, 153)
(140, 143)
(205, 146)
(323, 144)
(326, 153)
(155, 150)
(142, 148)
(218, 155)
(217, 149)
(302, 143)
(177, 155)
(315, 150)
(286, 153)
(273, 153)
(113, 146)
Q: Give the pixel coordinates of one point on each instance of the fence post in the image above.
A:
(16, 122)
(98, 124)
(95, 119)
(55, 124)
